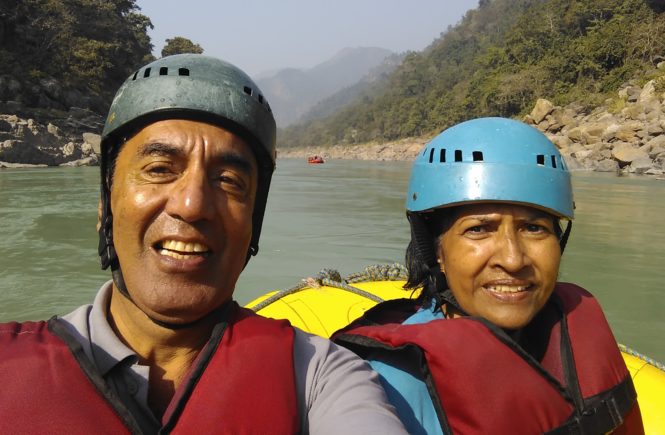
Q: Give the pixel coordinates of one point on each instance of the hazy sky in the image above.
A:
(266, 35)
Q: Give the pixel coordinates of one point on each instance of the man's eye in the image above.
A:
(229, 180)
(158, 169)
(476, 229)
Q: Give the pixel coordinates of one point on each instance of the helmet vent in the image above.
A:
(431, 155)
(554, 162)
(163, 71)
(477, 156)
(540, 160)
(146, 73)
(247, 90)
(260, 98)
(442, 156)
(183, 71)
(135, 75)
(458, 155)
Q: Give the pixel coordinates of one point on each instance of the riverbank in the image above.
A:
(404, 149)
(34, 138)
(625, 135)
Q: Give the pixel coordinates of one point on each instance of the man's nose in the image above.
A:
(192, 197)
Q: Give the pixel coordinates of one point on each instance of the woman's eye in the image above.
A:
(535, 228)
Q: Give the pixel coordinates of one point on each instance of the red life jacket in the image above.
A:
(481, 381)
(242, 382)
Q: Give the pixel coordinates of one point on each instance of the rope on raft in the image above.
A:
(332, 278)
(379, 272)
(625, 349)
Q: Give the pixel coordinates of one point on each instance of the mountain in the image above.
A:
(497, 61)
(292, 92)
(370, 83)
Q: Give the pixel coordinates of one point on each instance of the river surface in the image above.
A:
(343, 215)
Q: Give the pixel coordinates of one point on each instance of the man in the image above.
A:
(188, 151)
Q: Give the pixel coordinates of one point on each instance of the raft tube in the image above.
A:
(325, 303)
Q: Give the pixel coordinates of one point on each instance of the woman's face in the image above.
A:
(501, 261)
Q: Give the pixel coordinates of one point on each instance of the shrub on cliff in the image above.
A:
(57, 54)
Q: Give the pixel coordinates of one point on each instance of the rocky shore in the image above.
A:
(405, 149)
(48, 138)
(625, 135)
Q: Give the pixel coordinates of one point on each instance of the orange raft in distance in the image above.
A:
(315, 159)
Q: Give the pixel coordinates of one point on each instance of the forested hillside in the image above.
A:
(57, 54)
(498, 60)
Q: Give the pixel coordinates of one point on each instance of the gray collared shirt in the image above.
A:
(337, 392)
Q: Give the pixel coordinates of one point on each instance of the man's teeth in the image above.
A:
(181, 250)
(507, 288)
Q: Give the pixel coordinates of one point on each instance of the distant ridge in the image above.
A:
(292, 92)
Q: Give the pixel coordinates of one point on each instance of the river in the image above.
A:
(343, 215)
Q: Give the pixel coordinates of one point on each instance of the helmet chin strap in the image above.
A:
(564, 237)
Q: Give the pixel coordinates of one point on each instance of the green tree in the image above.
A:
(180, 45)
(55, 48)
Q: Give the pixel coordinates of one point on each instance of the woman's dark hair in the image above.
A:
(429, 276)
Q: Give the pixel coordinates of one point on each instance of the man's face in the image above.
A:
(182, 200)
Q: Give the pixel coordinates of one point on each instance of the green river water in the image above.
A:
(343, 215)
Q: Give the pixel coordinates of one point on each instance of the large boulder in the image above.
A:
(641, 165)
(626, 154)
(648, 92)
(577, 135)
(657, 142)
(542, 108)
(94, 141)
(564, 117)
(572, 163)
(562, 142)
(607, 165)
(636, 112)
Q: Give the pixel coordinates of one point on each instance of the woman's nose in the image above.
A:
(509, 251)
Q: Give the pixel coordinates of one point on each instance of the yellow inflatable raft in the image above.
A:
(327, 302)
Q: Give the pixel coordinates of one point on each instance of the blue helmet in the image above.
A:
(491, 160)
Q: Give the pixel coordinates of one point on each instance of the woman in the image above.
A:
(494, 344)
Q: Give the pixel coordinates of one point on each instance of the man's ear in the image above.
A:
(99, 214)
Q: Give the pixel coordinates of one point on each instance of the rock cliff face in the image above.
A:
(626, 136)
(67, 139)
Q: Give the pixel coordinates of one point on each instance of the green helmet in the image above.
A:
(195, 87)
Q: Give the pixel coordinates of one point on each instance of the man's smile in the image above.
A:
(181, 250)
